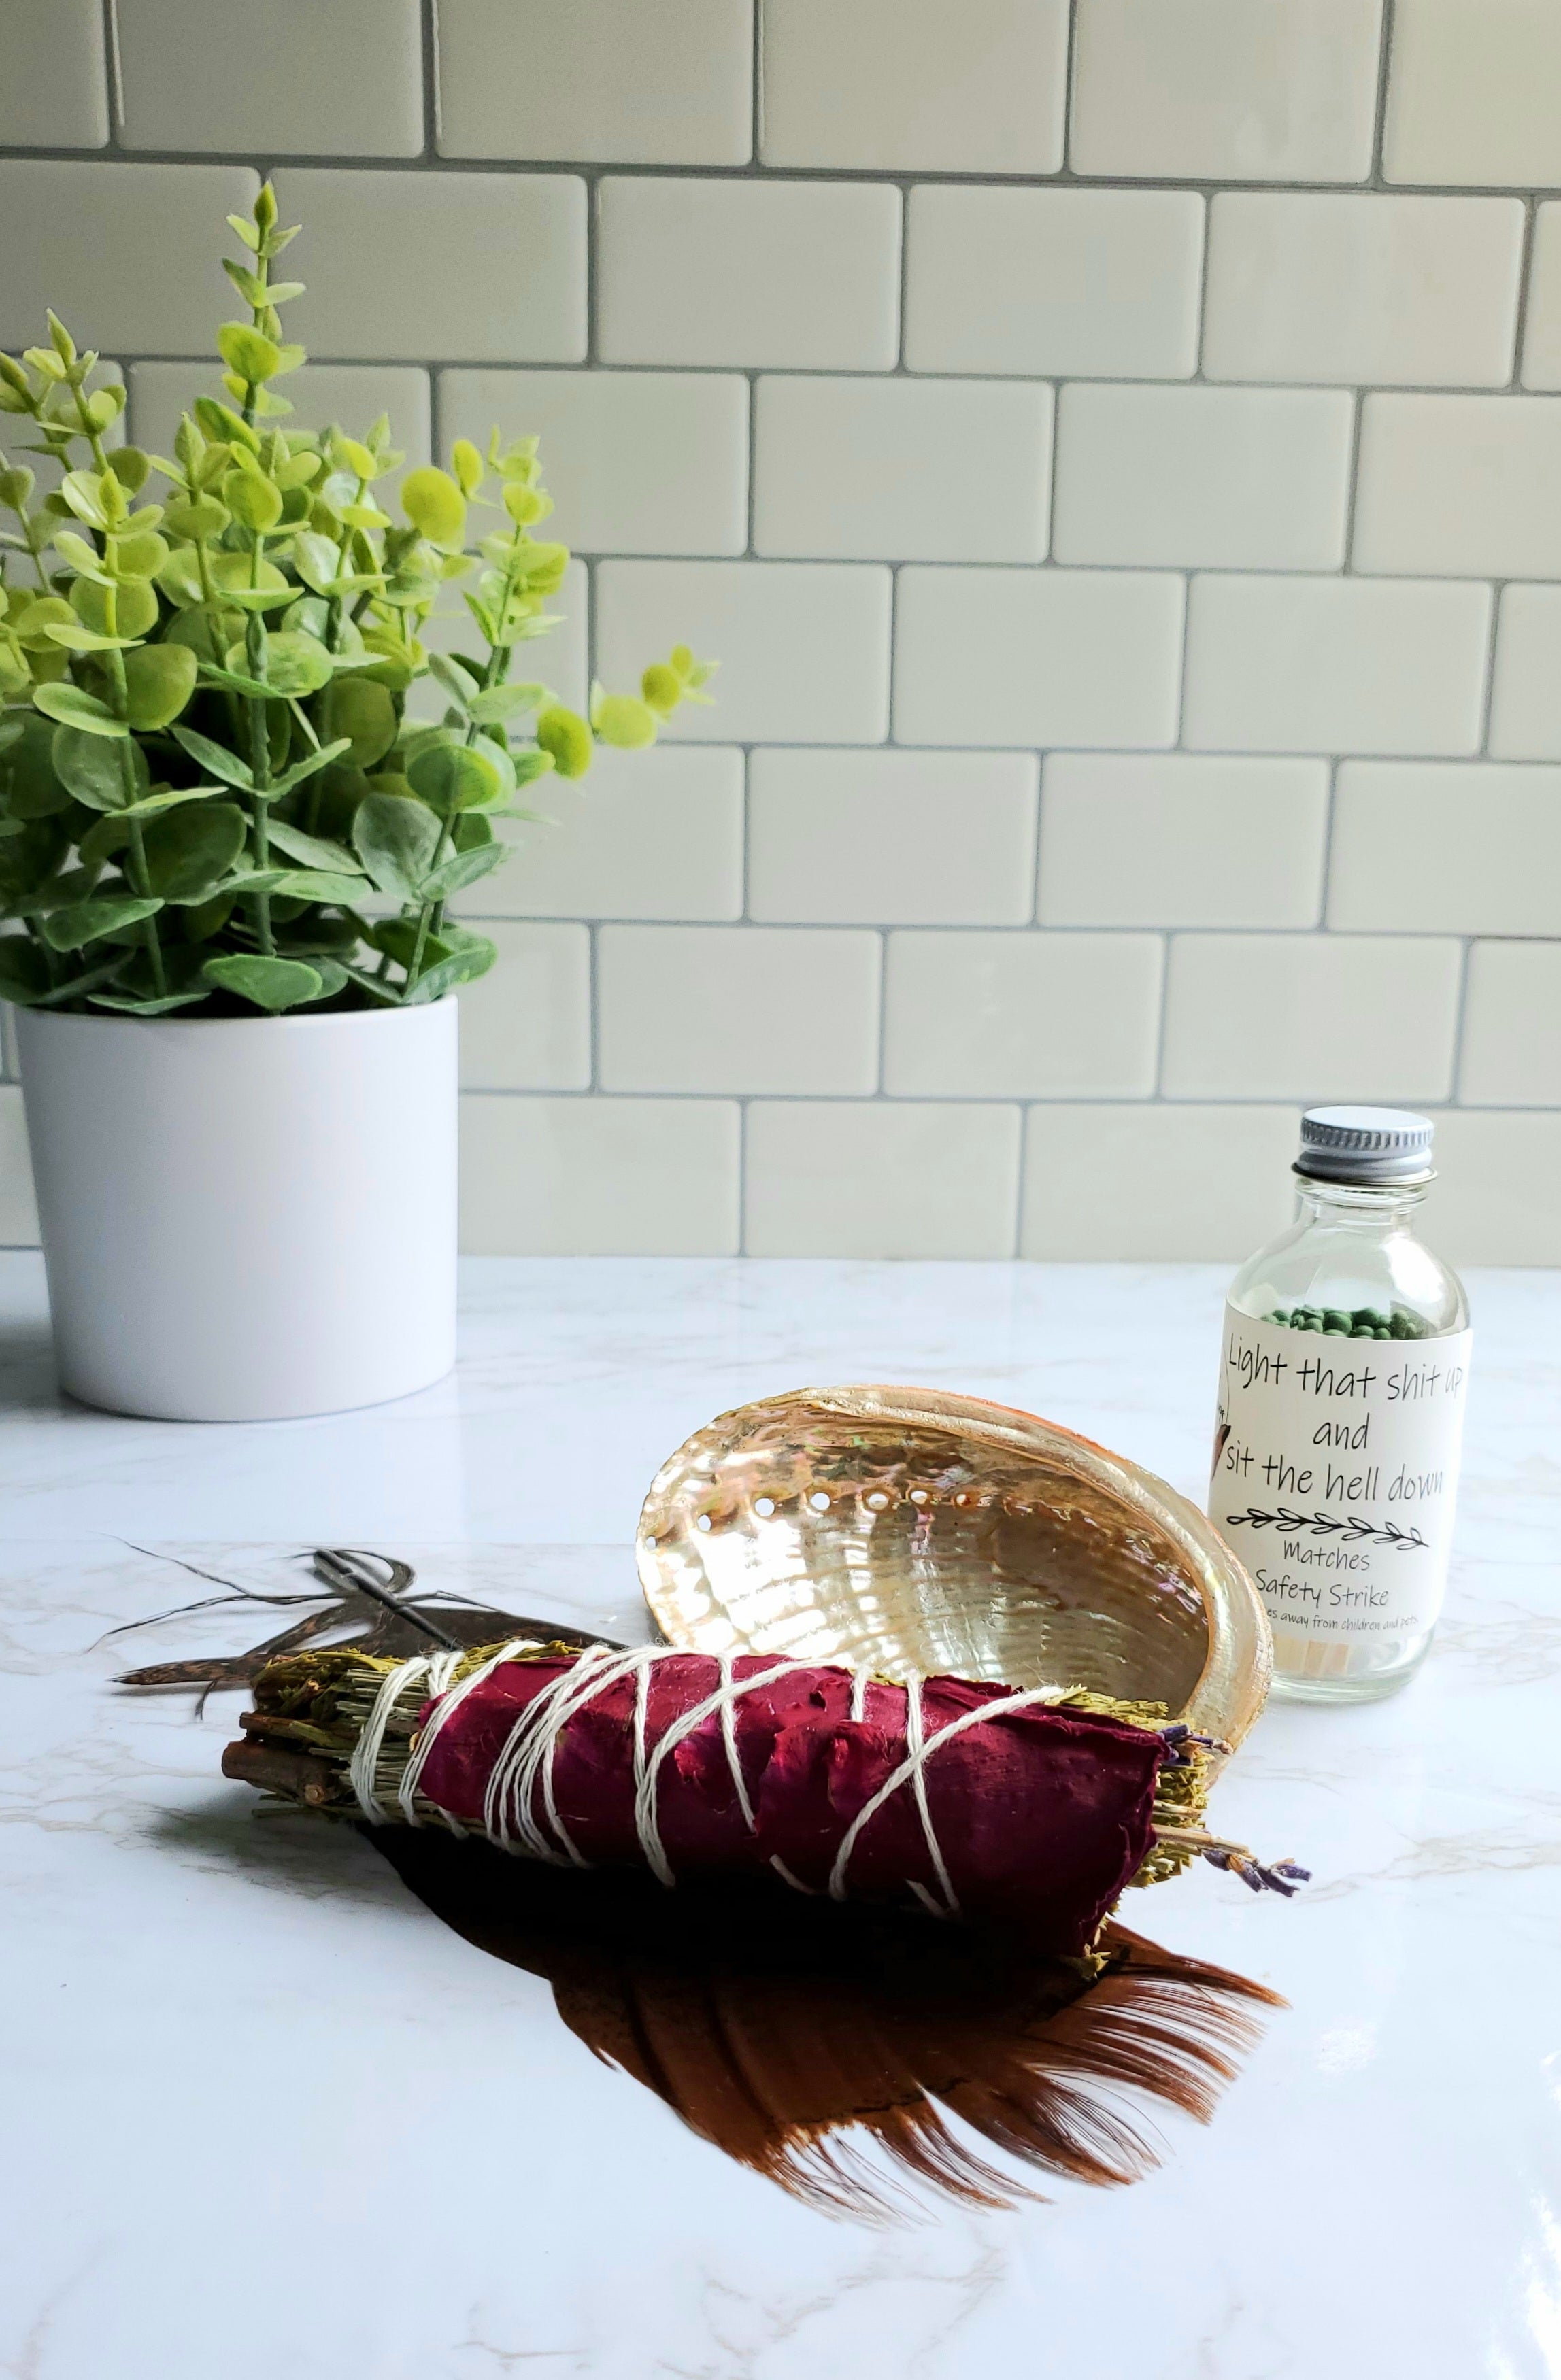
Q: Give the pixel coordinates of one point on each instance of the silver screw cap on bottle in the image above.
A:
(1372, 1147)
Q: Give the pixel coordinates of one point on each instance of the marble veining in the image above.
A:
(264, 2114)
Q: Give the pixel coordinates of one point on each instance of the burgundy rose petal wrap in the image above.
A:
(1041, 1814)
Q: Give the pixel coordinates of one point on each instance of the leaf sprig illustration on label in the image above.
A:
(1355, 1530)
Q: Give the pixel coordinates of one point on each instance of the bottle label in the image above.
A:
(1335, 1479)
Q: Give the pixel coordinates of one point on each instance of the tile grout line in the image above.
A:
(1069, 85)
(744, 1105)
(1352, 486)
(1525, 284)
(114, 77)
(541, 366)
(1162, 1028)
(1453, 1094)
(1385, 68)
(432, 91)
(1325, 888)
(1140, 1102)
(1021, 1179)
(1498, 588)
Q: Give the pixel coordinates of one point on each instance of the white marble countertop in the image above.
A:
(264, 2116)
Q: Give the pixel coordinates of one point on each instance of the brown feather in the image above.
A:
(827, 2046)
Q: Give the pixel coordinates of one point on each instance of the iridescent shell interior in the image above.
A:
(907, 1531)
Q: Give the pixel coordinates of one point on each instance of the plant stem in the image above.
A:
(37, 546)
(337, 603)
(431, 917)
(139, 874)
(251, 387)
(93, 438)
(259, 753)
(260, 765)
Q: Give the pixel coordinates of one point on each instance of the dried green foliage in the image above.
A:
(209, 790)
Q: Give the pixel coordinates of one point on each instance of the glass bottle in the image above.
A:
(1340, 1423)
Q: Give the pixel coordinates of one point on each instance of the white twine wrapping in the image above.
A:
(523, 1772)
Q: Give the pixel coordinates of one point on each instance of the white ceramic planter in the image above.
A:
(246, 1219)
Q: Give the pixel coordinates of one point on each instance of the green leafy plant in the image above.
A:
(211, 795)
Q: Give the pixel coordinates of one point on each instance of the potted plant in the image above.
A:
(228, 859)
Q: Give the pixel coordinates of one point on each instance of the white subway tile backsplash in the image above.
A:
(1447, 847)
(1512, 1026)
(1542, 327)
(1171, 840)
(1176, 1183)
(1474, 92)
(916, 86)
(1053, 280)
(1494, 1200)
(1526, 693)
(1310, 1018)
(648, 82)
(600, 1177)
(1335, 665)
(738, 1008)
(54, 92)
(799, 276)
(636, 462)
(526, 1025)
(1236, 479)
(18, 1210)
(904, 955)
(1242, 90)
(79, 237)
(900, 468)
(1311, 286)
(803, 647)
(891, 838)
(645, 834)
(268, 75)
(470, 268)
(1036, 1015)
(883, 1178)
(1464, 484)
(1026, 657)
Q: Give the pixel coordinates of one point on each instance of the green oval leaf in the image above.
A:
(318, 884)
(24, 971)
(435, 505)
(270, 984)
(73, 708)
(88, 921)
(296, 663)
(247, 352)
(159, 681)
(95, 770)
(474, 957)
(503, 701)
(454, 777)
(622, 720)
(567, 740)
(362, 713)
(134, 606)
(217, 759)
(396, 840)
(464, 867)
(311, 850)
(30, 784)
(190, 849)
